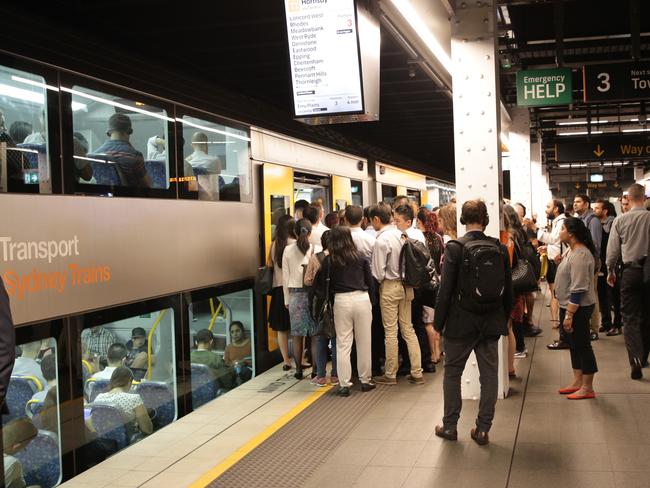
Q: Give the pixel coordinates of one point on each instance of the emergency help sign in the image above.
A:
(543, 87)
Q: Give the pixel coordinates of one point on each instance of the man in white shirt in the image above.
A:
(395, 298)
(156, 148)
(554, 249)
(116, 354)
(363, 240)
(403, 218)
(26, 364)
(314, 213)
(366, 225)
(200, 159)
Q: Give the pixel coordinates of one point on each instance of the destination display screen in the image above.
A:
(324, 56)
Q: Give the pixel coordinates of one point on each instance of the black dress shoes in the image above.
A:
(429, 368)
(637, 373)
(480, 437)
(343, 391)
(448, 434)
(368, 386)
(593, 336)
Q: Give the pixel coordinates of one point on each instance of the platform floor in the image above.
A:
(538, 439)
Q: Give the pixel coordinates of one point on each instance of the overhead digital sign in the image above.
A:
(324, 55)
(622, 81)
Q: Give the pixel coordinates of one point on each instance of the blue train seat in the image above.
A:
(109, 424)
(157, 396)
(204, 387)
(40, 460)
(20, 391)
(157, 173)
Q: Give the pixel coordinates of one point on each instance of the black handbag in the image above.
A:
(264, 280)
(323, 313)
(523, 277)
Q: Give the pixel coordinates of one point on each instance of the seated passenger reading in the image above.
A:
(130, 404)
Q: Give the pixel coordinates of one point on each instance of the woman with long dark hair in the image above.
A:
(576, 294)
(350, 282)
(294, 261)
(278, 313)
(427, 222)
(517, 239)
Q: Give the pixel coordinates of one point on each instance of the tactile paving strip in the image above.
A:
(294, 452)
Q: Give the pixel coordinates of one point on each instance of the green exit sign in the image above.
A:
(543, 87)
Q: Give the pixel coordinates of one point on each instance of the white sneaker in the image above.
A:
(521, 355)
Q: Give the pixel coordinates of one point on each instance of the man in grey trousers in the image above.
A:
(472, 310)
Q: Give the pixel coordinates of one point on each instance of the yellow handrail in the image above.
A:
(153, 329)
(211, 306)
(214, 316)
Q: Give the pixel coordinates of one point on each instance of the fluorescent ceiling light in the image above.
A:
(636, 130)
(33, 83)
(105, 161)
(211, 129)
(115, 104)
(582, 122)
(415, 20)
(580, 133)
(21, 94)
(22, 149)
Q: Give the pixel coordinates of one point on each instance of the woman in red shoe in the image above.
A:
(574, 289)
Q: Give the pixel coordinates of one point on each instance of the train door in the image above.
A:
(277, 192)
(341, 192)
(356, 192)
(414, 196)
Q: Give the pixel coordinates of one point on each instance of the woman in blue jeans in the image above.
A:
(576, 294)
(323, 344)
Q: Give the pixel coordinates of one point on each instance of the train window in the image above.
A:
(222, 354)
(413, 196)
(24, 162)
(30, 429)
(129, 375)
(216, 163)
(357, 192)
(118, 142)
(388, 193)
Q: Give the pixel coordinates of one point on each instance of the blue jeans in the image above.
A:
(322, 344)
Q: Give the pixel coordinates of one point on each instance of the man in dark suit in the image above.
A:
(472, 309)
(7, 345)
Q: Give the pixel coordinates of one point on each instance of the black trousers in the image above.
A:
(582, 354)
(457, 352)
(635, 308)
(378, 349)
(604, 302)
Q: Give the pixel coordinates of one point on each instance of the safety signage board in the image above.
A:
(622, 81)
(603, 149)
(324, 55)
(544, 87)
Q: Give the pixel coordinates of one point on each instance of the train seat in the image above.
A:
(20, 391)
(105, 173)
(204, 387)
(157, 173)
(109, 424)
(30, 157)
(157, 396)
(94, 387)
(40, 460)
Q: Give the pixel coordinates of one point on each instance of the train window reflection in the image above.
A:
(30, 429)
(216, 162)
(118, 142)
(222, 356)
(129, 374)
(24, 162)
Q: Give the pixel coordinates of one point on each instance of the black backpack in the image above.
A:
(416, 266)
(482, 278)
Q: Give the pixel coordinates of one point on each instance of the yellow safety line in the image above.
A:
(231, 460)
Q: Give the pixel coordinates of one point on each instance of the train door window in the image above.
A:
(222, 355)
(313, 188)
(388, 193)
(31, 428)
(216, 162)
(24, 154)
(413, 196)
(117, 141)
(129, 377)
(357, 192)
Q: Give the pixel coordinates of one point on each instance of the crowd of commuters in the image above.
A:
(591, 258)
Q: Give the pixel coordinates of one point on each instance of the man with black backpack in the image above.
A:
(394, 297)
(474, 302)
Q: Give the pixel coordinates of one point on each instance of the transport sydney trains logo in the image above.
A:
(30, 267)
